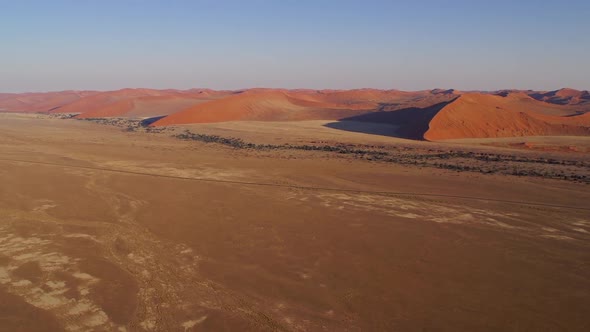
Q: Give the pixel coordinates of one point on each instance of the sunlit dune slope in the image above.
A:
(40, 102)
(140, 103)
(107, 99)
(292, 105)
(476, 115)
(268, 105)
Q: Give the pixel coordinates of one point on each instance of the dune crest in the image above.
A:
(436, 114)
(477, 115)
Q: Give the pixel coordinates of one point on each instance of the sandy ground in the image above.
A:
(331, 131)
(107, 230)
(568, 144)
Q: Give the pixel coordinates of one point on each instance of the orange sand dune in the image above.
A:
(40, 102)
(151, 105)
(365, 98)
(477, 115)
(430, 114)
(292, 105)
(252, 105)
(107, 99)
(564, 96)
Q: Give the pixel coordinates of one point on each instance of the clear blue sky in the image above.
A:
(57, 45)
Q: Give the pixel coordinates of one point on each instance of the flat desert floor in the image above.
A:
(107, 230)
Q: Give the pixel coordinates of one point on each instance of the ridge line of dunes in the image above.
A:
(428, 114)
(139, 103)
(295, 105)
(253, 106)
(477, 115)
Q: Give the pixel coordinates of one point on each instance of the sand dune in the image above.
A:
(267, 105)
(139, 102)
(293, 105)
(430, 114)
(477, 115)
(106, 99)
(147, 106)
(40, 102)
(563, 97)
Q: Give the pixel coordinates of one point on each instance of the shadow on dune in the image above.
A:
(372, 128)
(147, 122)
(409, 123)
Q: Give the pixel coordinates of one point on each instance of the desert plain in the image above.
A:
(291, 212)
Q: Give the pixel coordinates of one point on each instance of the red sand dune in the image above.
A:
(477, 115)
(264, 105)
(433, 115)
(292, 105)
(140, 102)
(149, 106)
(40, 102)
(563, 97)
(107, 99)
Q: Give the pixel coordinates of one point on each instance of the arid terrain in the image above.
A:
(294, 166)
(114, 222)
(430, 114)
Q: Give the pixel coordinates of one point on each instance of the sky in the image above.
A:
(409, 45)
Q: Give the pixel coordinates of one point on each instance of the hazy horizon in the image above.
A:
(278, 88)
(232, 45)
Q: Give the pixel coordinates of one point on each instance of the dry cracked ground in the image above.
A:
(104, 230)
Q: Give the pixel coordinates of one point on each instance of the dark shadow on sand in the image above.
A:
(382, 129)
(147, 122)
(409, 123)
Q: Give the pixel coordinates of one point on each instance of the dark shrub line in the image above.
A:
(409, 158)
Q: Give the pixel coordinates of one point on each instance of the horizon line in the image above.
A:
(295, 89)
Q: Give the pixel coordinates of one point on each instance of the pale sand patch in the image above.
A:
(21, 283)
(79, 315)
(501, 224)
(81, 307)
(55, 284)
(53, 261)
(409, 215)
(192, 323)
(421, 210)
(135, 258)
(27, 256)
(49, 301)
(85, 276)
(83, 291)
(97, 318)
(4, 277)
(582, 223)
(148, 324)
(81, 236)
(44, 207)
(557, 237)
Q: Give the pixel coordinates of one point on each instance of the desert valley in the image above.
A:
(295, 210)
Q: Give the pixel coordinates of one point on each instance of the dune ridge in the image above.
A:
(436, 114)
(477, 115)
